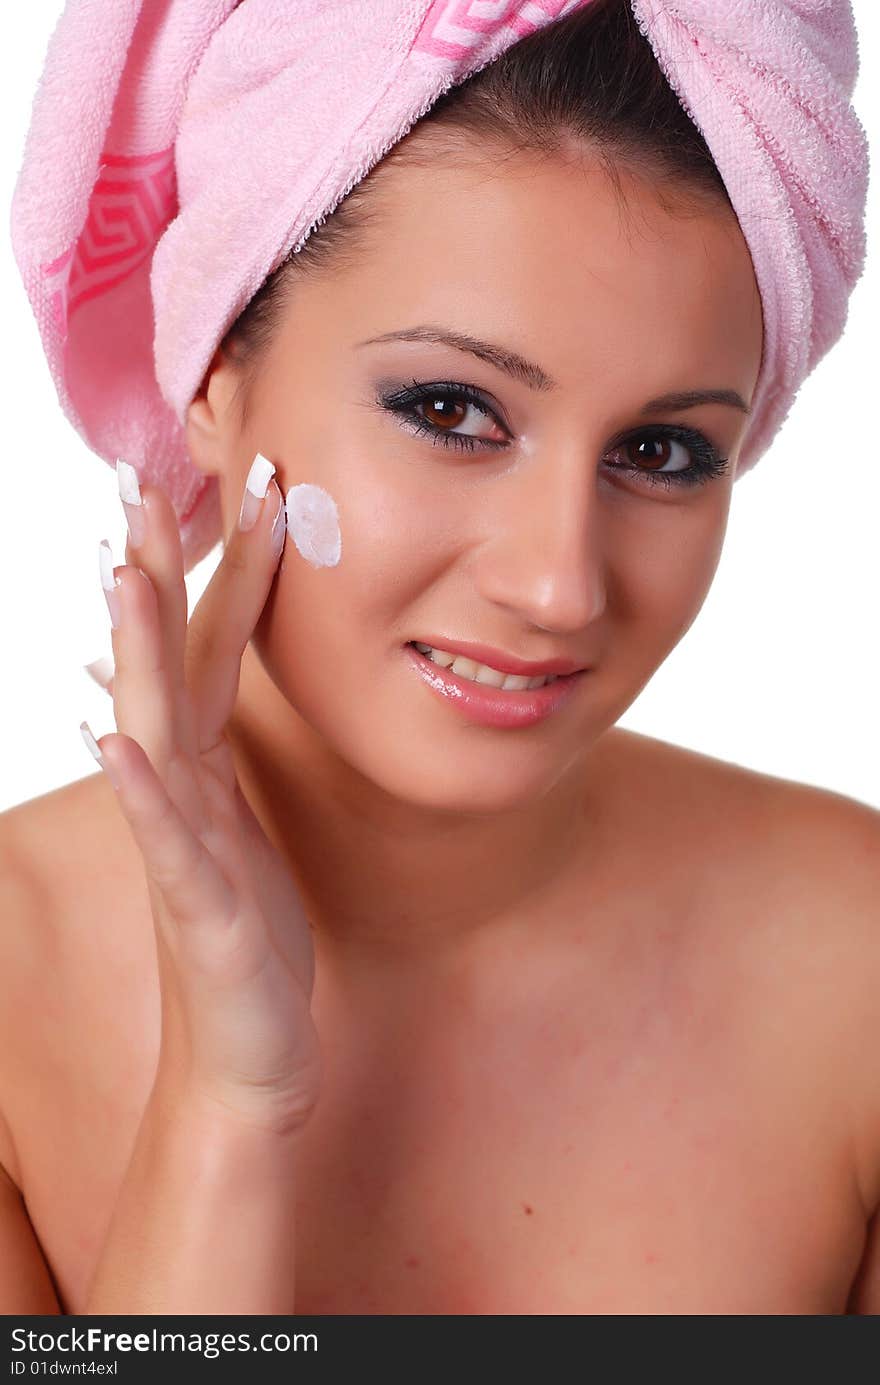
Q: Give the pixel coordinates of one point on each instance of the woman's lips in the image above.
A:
(497, 659)
(488, 706)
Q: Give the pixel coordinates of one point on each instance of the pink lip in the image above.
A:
(493, 706)
(505, 663)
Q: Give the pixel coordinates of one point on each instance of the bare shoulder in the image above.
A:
(793, 871)
(58, 855)
(793, 850)
(769, 819)
(72, 912)
(74, 816)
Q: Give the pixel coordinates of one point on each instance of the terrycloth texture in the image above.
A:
(179, 149)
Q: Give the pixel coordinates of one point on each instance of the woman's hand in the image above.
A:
(236, 963)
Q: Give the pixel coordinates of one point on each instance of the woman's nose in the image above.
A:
(544, 562)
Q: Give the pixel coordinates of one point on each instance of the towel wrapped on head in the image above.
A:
(180, 149)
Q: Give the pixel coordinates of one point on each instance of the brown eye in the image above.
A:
(451, 413)
(458, 416)
(439, 411)
(668, 455)
(653, 454)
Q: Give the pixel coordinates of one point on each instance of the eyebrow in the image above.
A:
(528, 373)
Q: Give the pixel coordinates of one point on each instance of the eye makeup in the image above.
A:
(405, 404)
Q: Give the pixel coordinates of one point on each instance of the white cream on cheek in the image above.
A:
(313, 524)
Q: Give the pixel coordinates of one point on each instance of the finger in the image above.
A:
(224, 619)
(143, 698)
(193, 888)
(154, 545)
(141, 692)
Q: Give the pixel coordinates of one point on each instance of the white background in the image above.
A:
(778, 673)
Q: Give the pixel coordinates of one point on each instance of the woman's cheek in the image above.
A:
(359, 554)
(666, 577)
(401, 526)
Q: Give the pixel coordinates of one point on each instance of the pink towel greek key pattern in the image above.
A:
(133, 200)
(455, 28)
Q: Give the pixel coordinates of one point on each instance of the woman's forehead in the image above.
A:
(553, 252)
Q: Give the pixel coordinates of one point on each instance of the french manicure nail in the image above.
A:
(130, 495)
(279, 528)
(102, 671)
(96, 751)
(257, 483)
(109, 582)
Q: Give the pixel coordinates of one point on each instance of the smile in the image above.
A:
(485, 700)
(482, 673)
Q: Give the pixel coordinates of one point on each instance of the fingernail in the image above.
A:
(109, 582)
(96, 751)
(130, 495)
(255, 487)
(102, 671)
(279, 528)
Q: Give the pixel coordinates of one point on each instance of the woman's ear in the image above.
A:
(210, 427)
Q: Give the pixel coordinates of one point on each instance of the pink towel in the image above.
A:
(179, 149)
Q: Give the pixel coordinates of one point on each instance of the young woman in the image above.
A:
(361, 982)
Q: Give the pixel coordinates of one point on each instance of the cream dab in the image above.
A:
(313, 524)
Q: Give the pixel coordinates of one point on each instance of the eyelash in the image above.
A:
(706, 465)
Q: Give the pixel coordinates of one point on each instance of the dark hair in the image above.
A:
(590, 78)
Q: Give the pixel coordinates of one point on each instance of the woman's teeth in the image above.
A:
(482, 673)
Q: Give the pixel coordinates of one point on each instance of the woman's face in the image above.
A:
(559, 527)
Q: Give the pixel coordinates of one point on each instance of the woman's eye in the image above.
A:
(456, 415)
(451, 416)
(670, 456)
(655, 454)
